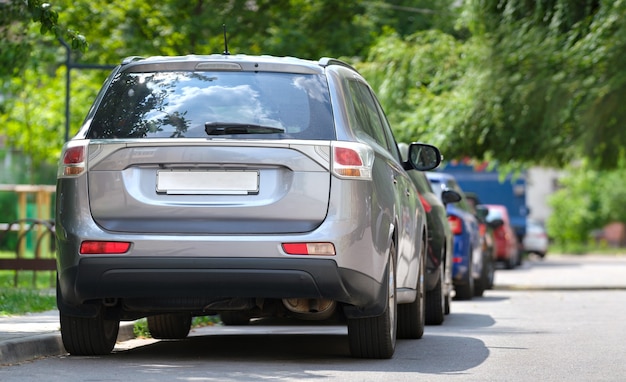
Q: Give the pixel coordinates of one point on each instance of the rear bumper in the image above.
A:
(107, 279)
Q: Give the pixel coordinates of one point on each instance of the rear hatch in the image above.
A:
(209, 187)
(211, 145)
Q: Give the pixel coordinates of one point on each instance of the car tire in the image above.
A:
(87, 336)
(490, 274)
(436, 302)
(169, 326)
(486, 276)
(375, 337)
(235, 318)
(448, 303)
(510, 262)
(412, 316)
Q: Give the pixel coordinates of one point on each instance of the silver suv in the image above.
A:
(244, 186)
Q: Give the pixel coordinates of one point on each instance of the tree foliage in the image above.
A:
(16, 44)
(512, 80)
(552, 83)
(588, 200)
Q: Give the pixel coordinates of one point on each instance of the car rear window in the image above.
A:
(180, 104)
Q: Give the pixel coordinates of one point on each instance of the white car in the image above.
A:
(536, 239)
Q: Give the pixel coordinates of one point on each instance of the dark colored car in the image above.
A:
(488, 239)
(439, 286)
(468, 255)
(244, 186)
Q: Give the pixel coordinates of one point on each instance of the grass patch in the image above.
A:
(15, 301)
(24, 292)
(588, 249)
(140, 329)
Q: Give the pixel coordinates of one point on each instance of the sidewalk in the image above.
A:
(35, 335)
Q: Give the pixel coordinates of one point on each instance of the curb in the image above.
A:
(46, 345)
(558, 288)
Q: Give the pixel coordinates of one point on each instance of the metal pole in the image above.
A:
(69, 65)
(68, 68)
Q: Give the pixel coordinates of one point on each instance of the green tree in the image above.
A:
(31, 108)
(16, 44)
(588, 200)
(552, 81)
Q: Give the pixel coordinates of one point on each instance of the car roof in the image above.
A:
(439, 175)
(230, 62)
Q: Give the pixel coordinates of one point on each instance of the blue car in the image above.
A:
(468, 255)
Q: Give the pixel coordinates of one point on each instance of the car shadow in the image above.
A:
(303, 352)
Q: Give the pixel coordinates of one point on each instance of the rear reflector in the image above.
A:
(72, 161)
(318, 249)
(104, 247)
(352, 160)
(425, 204)
(456, 225)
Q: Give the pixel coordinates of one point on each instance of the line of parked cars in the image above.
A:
(253, 187)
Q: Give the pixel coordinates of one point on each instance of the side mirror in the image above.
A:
(482, 212)
(495, 223)
(450, 196)
(423, 157)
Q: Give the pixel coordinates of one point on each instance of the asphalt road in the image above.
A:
(560, 319)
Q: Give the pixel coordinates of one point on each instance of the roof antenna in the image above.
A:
(226, 52)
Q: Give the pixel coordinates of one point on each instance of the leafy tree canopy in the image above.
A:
(518, 82)
(16, 17)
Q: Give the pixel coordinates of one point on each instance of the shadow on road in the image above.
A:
(257, 352)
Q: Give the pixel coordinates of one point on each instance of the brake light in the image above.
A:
(104, 247)
(72, 161)
(352, 160)
(482, 229)
(319, 249)
(456, 225)
(427, 206)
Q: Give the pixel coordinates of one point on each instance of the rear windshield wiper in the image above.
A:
(225, 128)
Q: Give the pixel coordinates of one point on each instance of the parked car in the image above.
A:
(488, 240)
(245, 186)
(536, 239)
(507, 245)
(438, 276)
(467, 269)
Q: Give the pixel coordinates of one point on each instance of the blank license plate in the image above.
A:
(208, 182)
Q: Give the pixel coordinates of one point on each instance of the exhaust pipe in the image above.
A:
(310, 308)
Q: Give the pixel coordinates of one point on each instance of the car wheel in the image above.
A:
(436, 302)
(169, 326)
(412, 316)
(87, 335)
(235, 318)
(448, 303)
(518, 258)
(486, 276)
(510, 262)
(375, 337)
(490, 273)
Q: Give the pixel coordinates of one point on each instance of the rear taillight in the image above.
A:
(72, 161)
(482, 229)
(318, 249)
(456, 225)
(425, 204)
(104, 247)
(352, 160)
